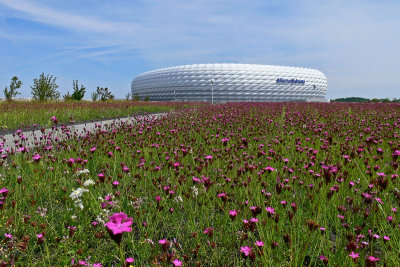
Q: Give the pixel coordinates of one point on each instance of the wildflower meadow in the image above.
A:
(27, 115)
(239, 184)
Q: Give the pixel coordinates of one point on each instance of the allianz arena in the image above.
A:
(220, 83)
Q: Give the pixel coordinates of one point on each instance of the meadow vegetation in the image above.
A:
(35, 114)
(246, 184)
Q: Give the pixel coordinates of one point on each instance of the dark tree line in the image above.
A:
(365, 100)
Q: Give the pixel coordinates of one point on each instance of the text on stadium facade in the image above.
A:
(290, 81)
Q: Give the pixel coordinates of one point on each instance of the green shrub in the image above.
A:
(45, 88)
(15, 84)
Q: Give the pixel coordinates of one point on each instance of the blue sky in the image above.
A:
(107, 43)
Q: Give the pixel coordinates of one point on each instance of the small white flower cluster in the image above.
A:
(76, 196)
(195, 191)
(82, 172)
(178, 199)
(103, 216)
(88, 182)
(77, 193)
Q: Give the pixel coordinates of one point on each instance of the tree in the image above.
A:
(45, 88)
(77, 93)
(14, 86)
(128, 96)
(136, 97)
(104, 94)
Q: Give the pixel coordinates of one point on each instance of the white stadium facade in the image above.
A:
(220, 83)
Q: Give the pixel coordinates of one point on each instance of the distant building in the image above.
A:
(221, 83)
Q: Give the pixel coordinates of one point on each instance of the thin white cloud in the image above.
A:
(71, 21)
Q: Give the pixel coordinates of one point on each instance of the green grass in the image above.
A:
(23, 114)
(260, 135)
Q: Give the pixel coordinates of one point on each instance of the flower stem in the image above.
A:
(121, 254)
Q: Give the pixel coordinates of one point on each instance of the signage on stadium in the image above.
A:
(290, 81)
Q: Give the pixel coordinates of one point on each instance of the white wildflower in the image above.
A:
(178, 199)
(88, 182)
(195, 191)
(100, 220)
(76, 194)
(78, 203)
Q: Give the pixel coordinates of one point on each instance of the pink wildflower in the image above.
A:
(246, 250)
(269, 169)
(101, 176)
(259, 244)
(209, 231)
(270, 210)
(376, 236)
(36, 157)
(83, 263)
(4, 191)
(162, 241)
(372, 259)
(129, 260)
(324, 259)
(9, 236)
(177, 262)
(233, 214)
(354, 255)
(119, 223)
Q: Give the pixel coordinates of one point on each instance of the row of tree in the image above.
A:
(365, 100)
(45, 88)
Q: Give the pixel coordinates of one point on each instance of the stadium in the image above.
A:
(221, 83)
